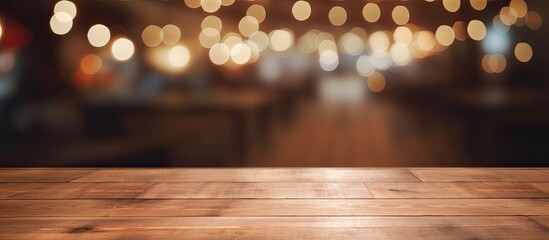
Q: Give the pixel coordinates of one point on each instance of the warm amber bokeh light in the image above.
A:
(91, 64)
(171, 34)
(401, 15)
(258, 12)
(445, 35)
(179, 56)
(337, 16)
(301, 10)
(280, 40)
(524, 52)
(476, 30)
(219, 54)
(479, 5)
(212, 22)
(403, 35)
(371, 12)
(152, 36)
(122, 49)
(99, 35)
(248, 25)
(376, 82)
(494, 63)
(451, 5)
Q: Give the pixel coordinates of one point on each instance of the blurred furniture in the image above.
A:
(249, 114)
(504, 125)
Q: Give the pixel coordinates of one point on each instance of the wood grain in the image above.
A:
(543, 220)
(272, 207)
(42, 175)
(454, 190)
(250, 175)
(274, 228)
(274, 203)
(257, 190)
(543, 186)
(71, 190)
(480, 174)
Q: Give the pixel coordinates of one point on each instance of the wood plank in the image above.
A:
(543, 220)
(249, 175)
(273, 207)
(543, 186)
(274, 228)
(71, 190)
(257, 190)
(454, 190)
(480, 174)
(42, 175)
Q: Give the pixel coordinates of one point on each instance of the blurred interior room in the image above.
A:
(274, 83)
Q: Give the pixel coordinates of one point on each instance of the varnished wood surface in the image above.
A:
(280, 203)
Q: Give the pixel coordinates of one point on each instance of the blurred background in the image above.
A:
(274, 83)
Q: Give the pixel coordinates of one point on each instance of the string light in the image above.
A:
(245, 46)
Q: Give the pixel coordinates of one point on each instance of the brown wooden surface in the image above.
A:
(287, 203)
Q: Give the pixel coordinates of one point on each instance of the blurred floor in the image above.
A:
(373, 133)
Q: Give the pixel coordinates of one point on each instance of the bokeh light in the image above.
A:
(240, 53)
(248, 25)
(212, 22)
(219, 54)
(379, 41)
(400, 15)
(451, 5)
(227, 2)
(193, 3)
(494, 63)
(351, 44)
(403, 35)
(231, 39)
(209, 37)
(460, 30)
(520, 7)
(261, 39)
(524, 52)
(476, 30)
(381, 60)
(170, 34)
(99, 35)
(364, 66)
(400, 54)
(91, 64)
(61, 23)
(445, 35)
(533, 20)
(301, 10)
(179, 56)
(152, 36)
(376, 82)
(280, 40)
(371, 12)
(328, 60)
(258, 12)
(122, 49)
(66, 7)
(478, 5)
(210, 6)
(337, 16)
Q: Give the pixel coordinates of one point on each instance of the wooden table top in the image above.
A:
(275, 203)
